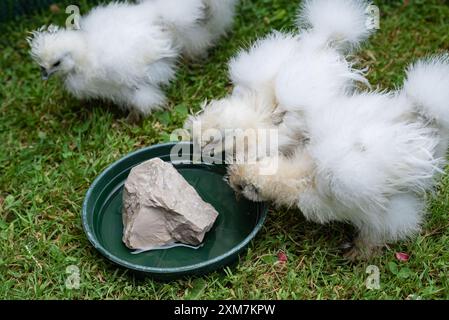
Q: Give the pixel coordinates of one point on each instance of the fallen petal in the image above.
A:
(401, 256)
(54, 8)
(282, 257)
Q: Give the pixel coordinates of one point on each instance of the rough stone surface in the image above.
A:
(160, 207)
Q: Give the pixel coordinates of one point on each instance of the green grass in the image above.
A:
(53, 147)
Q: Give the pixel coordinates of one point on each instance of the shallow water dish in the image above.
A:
(238, 222)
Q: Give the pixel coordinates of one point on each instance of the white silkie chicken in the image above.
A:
(127, 52)
(366, 158)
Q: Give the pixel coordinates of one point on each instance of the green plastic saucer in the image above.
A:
(237, 224)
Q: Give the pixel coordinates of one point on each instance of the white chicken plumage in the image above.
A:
(126, 52)
(366, 158)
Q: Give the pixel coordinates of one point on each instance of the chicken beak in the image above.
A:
(45, 74)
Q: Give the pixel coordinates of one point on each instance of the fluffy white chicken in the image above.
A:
(366, 158)
(127, 52)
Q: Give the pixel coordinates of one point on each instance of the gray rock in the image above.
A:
(160, 208)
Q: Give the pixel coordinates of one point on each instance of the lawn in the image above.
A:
(54, 146)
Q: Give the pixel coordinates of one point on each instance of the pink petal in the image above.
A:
(55, 8)
(282, 257)
(401, 256)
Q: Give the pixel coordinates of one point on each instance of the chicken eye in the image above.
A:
(56, 64)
